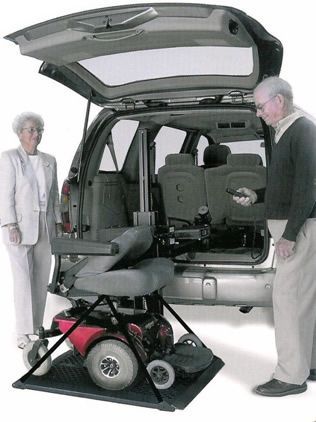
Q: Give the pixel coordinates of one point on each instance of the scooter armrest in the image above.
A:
(66, 246)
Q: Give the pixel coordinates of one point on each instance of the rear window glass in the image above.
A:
(248, 147)
(169, 62)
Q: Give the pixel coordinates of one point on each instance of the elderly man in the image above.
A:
(29, 213)
(290, 198)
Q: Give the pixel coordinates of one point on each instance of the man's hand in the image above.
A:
(247, 200)
(15, 236)
(284, 248)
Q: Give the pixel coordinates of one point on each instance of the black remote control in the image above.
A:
(236, 193)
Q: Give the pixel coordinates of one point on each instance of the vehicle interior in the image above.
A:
(190, 156)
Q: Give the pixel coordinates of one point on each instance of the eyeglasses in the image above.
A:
(32, 130)
(260, 107)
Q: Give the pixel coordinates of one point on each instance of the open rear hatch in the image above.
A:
(152, 51)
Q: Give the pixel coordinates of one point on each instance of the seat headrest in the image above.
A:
(250, 160)
(215, 155)
(179, 159)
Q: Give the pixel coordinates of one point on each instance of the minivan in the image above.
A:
(177, 128)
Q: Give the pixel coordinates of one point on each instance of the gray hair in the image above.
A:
(20, 119)
(275, 85)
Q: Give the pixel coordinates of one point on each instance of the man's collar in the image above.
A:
(289, 118)
(285, 123)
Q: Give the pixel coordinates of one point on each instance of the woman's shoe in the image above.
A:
(23, 340)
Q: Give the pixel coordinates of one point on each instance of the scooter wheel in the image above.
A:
(112, 365)
(29, 363)
(162, 373)
(190, 339)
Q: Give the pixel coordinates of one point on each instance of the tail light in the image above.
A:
(65, 204)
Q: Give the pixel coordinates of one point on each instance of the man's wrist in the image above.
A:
(12, 226)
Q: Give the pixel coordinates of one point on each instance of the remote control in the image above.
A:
(236, 193)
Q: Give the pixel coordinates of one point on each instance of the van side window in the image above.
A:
(122, 134)
(168, 141)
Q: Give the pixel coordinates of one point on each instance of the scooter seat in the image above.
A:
(142, 279)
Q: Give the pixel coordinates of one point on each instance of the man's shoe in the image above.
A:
(276, 388)
(312, 375)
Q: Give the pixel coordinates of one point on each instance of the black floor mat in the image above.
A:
(68, 376)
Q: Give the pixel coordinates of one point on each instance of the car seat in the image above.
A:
(183, 188)
(241, 170)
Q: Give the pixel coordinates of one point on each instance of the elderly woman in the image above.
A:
(29, 217)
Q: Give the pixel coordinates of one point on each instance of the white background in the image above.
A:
(244, 342)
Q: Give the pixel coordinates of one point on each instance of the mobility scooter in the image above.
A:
(121, 343)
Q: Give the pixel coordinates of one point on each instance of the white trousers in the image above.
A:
(294, 305)
(31, 266)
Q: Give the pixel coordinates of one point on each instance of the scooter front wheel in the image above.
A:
(190, 339)
(32, 352)
(162, 373)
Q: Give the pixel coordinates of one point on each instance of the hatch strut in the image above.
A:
(84, 134)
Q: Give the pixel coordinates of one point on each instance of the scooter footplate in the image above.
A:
(189, 359)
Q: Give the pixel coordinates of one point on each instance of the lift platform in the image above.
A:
(68, 376)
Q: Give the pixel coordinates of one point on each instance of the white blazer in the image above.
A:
(19, 197)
